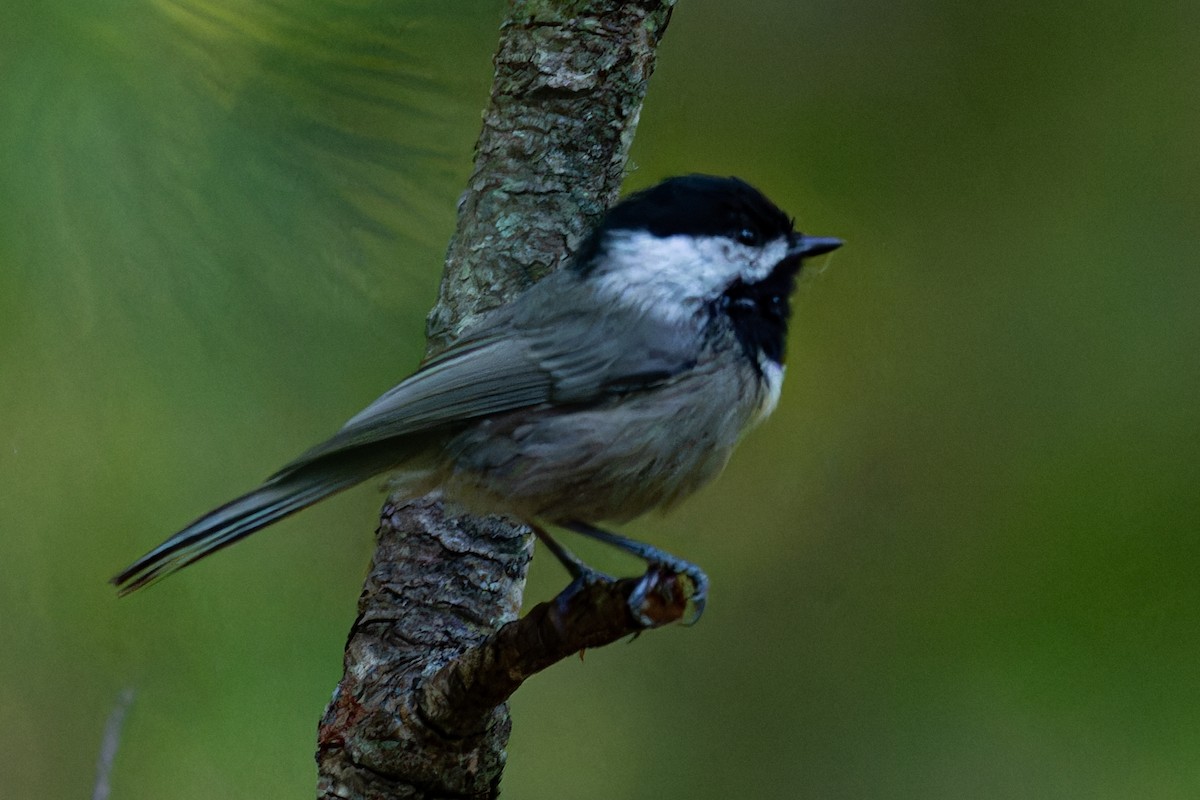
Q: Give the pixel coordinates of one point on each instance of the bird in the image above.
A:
(617, 385)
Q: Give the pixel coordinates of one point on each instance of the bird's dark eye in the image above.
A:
(749, 237)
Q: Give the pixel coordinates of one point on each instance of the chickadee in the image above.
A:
(614, 386)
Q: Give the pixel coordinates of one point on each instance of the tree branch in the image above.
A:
(458, 699)
(436, 648)
(570, 79)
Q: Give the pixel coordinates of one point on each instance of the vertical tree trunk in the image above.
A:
(419, 712)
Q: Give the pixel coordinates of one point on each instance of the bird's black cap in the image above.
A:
(694, 205)
(699, 205)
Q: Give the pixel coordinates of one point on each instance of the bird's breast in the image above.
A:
(613, 460)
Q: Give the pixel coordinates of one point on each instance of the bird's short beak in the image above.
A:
(806, 246)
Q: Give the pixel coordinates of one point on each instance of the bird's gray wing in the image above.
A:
(550, 346)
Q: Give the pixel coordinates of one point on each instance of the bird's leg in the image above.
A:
(583, 576)
(654, 557)
(581, 572)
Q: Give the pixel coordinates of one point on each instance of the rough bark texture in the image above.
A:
(570, 79)
(437, 647)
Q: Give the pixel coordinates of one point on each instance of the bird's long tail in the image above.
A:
(297, 486)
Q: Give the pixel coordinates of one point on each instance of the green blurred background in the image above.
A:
(960, 561)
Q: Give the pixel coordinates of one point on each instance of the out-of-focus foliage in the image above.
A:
(958, 562)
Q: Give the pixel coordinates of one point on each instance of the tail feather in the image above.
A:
(284, 494)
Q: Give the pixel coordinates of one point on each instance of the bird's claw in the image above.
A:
(584, 576)
(654, 602)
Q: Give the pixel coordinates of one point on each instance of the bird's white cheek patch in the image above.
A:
(773, 377)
